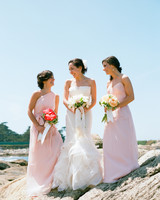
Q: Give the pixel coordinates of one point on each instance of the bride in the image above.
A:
(79, 163)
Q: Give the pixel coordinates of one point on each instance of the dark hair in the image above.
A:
(78, 63)
(43, 76)
(112, 60)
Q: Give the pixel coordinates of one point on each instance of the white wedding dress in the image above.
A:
(78, 165)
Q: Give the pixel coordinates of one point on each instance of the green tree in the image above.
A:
(7, 135)
(26, 135)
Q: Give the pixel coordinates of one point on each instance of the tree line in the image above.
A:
(9, 136)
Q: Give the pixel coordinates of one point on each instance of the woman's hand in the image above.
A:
(81, 109)
(86, 110)
(115, 108)
(40, 128)
(105, 108)
(73, 110)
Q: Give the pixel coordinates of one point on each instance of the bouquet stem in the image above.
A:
(104, 119)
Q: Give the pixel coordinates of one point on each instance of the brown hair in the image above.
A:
(112, 60)
(43, 76)
(77, 62)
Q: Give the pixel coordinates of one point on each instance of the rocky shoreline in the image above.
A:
(143, 183)
(14, 152)
(9, 171)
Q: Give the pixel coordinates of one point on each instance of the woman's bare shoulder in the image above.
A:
(90, 81)
(36, 94)
(125, 79)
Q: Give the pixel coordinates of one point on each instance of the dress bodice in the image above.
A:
(117, 90)
(77, 90)
(44, 102)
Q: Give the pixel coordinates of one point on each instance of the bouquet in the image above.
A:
(110, 102)
(79, 101)
(50, 118)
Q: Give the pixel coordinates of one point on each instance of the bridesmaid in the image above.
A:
(42, 157)
(119, 142)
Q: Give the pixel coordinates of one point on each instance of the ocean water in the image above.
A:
(13, 158)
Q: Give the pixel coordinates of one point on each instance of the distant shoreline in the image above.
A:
(25, 145)
(13, 158)
(10, 155)
(17, 151)
(14, 152)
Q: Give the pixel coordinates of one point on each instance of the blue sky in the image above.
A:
(38, 35)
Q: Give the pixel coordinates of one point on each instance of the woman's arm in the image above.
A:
(93, 96)
(56, 104)
(108, 83)
(66, 94)
(128, 90)
(31, 106)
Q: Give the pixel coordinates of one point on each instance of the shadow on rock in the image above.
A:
(72, 194)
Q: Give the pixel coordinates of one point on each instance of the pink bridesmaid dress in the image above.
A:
(42, 157)
(119, 142)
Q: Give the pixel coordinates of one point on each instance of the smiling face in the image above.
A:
(49, 82)
(74, 71)
(107, 68)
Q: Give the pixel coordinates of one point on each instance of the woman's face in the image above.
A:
(49, 82)
(74, 71)
(107, 68)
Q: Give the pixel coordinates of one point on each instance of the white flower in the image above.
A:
(110, 100)
(105, 99)
(85, 64)
(78, 101)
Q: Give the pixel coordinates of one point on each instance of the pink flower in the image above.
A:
(50, 116)
(48, 111)
(113, 101)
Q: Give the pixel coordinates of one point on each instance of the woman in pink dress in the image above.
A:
(119, 142)
(42, 157)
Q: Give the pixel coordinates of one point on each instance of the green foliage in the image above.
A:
(14, 145)
(9, 136)
(25, 136)
(63, 129)
(142, 142)
(80, 103)
(149, 142)
(104, 118)
(145, 142)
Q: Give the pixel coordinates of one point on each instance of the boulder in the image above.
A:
(142, 183)
(3, 165)
(11, 172)
(20, 162)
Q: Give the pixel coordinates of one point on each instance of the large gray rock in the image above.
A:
(141, 184)
(13, 171)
